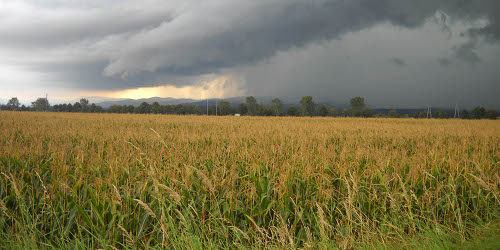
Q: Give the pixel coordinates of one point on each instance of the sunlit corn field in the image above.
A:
(116, 181)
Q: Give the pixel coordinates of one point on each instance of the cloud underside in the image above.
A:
(99, 45)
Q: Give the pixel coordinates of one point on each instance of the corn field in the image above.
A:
(119, 181)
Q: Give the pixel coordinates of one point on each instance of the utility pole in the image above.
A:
(215, 106)
(429, 112)
(457, 112)
(207, 105)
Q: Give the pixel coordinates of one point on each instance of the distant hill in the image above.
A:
(137, 102)
(234, 101)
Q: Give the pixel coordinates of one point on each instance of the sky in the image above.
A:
(395, 53)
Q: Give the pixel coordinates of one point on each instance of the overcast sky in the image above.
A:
(400, 53)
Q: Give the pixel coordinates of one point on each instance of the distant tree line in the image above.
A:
(306, 107)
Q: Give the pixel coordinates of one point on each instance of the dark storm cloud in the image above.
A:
(85, 76)
(261, 29)
(206, 36)
(88, 76)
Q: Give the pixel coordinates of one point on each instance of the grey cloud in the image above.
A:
(491, 11)
(397, 61)
(29, 26)
(85, 76)
(467, 52)
(193, 37)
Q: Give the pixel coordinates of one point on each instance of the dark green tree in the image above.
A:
(346, 112)
(128, 109)
(179, 109)
(193, 109)
(115, 109)
(333, 112)
(478, 112)
(77, 107)
(243, 109)
(307, 106)
(357, 105)
(367, 112)
(292, 111)
(41, 104)
(251, 104)
(57, 108)
(264, 111)
(144, 108)
(95, 108)
(84, 105)
(465, 114)
(277, 107)
(168, 109)
(224, 108)
(156, 108)
(323, 110)
(211, 110)
(13, 104)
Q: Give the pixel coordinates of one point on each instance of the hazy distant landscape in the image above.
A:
(260, 106)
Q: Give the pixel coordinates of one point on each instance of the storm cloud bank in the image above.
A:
(110, 45)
